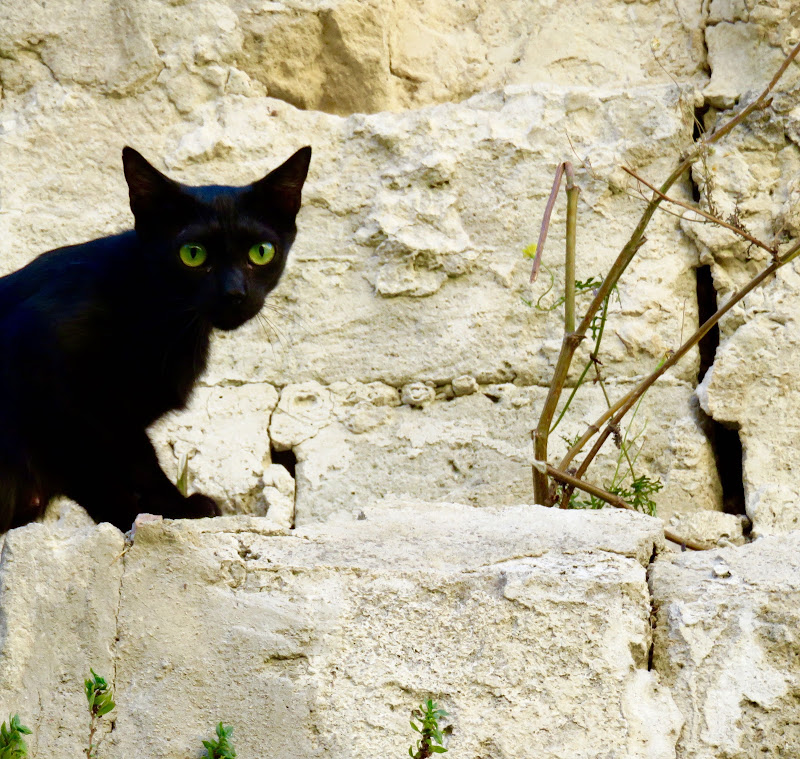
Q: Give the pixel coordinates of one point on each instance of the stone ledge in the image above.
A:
(531, 626)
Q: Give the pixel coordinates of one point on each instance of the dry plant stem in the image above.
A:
(569, 262)
(615, 414)
(542, 431)
(563, 168)
(614, 500)
(705, 215)
(570, 342)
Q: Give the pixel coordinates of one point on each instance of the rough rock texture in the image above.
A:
(399, 359)
(222, 441)
(752, 178)
(319, 643)
(59, 600)
(726, 644)
(344, 56)
(711, 528)
(408, 265)
(356, 442)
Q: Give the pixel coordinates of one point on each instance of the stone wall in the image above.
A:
(398, 371)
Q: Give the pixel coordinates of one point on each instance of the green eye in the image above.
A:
(193, 254)
(262, 253)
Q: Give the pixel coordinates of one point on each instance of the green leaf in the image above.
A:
(438, 749)
(105, 709)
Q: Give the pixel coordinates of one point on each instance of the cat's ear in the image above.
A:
(281, 189)
(152, 195)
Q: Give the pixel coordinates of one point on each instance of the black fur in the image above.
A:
(99, 340)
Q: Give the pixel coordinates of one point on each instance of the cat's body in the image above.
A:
(99, 340)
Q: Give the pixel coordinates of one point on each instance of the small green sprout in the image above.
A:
(12, 745)
(222, 748)
(428, 716)
(183, 477)
(101, 702)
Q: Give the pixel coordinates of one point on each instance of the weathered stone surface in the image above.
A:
(408, 263)
(319, 644)
(726, 644)
(59, 599)
(710, 528)
(752, 384)
(343, 56)
(355, 442)
(222, 439)
(407, 269)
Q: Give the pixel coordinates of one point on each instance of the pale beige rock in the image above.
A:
(752, 177)
(59, 599)
(435, 204)
(307, 630)
(753, 386)
(464, 385)
(726, 645)
(477, 448)
(710, 528)
(222, 439)
(345, 56)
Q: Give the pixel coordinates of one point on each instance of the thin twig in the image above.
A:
(569, 261)
(708, 216)
(614, 415)
(614, 500)
(622, 262)
(563, 168)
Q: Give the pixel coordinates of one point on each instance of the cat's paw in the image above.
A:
(199, 505)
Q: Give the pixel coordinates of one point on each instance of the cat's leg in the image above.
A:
(117, 482)
(22, 499)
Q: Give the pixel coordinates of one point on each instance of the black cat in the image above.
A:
(99, 340)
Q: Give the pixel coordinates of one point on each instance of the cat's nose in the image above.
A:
(234, 286)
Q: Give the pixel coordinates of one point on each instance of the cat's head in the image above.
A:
(221, 248)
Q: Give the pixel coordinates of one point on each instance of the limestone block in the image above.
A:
(753, 386)
(741, 60)
(408, 263)
(345, 56)
(710, 528)
(59, 598)
(726, 644)
(751, 177)
(222, 439)
(320, 643)
(477, 448)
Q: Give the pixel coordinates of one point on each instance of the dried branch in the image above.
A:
(707, 216)
(563, 168)
(615, 414)
(614, 500)
(571, 341)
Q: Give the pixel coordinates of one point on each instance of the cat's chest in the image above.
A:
(140, 366)
(164, 368)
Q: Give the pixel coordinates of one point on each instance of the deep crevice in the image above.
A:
(653, 611)
(725, 441)
(698, 129)
(286, 459)
(706, 308)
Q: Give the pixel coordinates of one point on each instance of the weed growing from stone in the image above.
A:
(428, 716)
(222, 748)
(101, 701)
(182, 483)
(565, 479)
(12, 744)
